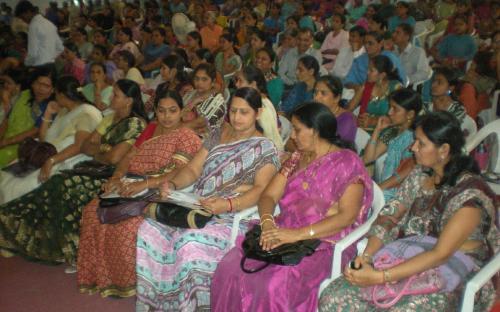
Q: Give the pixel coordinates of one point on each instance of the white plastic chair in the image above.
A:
(247, 214)
(478, 281)
(490, 114)
(469, 126)
(353, 237)
(418, 83)
(286, 128)
(361, 139)
(474, 140)
(422, 29)
(379, 167)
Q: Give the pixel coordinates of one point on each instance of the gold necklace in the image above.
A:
(305, 184)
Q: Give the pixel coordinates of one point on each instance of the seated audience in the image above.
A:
(79, 38)
(106, 256)
(447, 208)
(154, 52)
(347, 54)
(184, 283)
(25, 118)
(73, 65)
(323, 167)
(227, 62)
(99, 54)
(210, 32)
(401, 16)
(98, 91)
(125, 42)
(265, 60)
(336, 39)
(125, 63)
(45, 223)
(258, 40)
(328, 91)
(74, 121)
(393, 135)
(302, 90)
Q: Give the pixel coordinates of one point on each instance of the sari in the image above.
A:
(308, 195)
(213, 109)
(45, 223)
(174, 265)
(61, 134)
(24, 115)
(106, 256)
(428, 217)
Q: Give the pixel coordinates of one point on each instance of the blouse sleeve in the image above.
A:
(387, 225)
(86, 123)
(188, 144)
(214, 110)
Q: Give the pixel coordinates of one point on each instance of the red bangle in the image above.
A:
(230, 205)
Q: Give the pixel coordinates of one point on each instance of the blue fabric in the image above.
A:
(457, 46)
(395, 21)
(38, 118)
(297, 96)
(359, 69)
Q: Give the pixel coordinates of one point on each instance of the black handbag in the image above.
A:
(178, 216)
(91, 168)
(286, 254)
(32, 155)
(116, 209)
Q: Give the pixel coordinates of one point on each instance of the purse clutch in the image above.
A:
(91, 168)
(286, 254)
(178, 216)
(32, 155)
(116, 209)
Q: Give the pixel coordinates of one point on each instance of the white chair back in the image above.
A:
(493, 128)
(361, 139)
(379, 168)
(286, 128)
(469, 126)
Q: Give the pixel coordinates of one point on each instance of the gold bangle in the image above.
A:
(264, 221)
(311, 231)
(267, 214)
(104, 148)
(387, 276)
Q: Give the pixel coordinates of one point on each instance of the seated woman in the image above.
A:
(204, 108)
(183, 284)
(302, 91)
(125, 43)
(373, 97)
(251, 76)
(323, 167)
(25, 117)
(98, 91)
(227, 62)
(444, 198)
(73, 123)
(257, 41)
(154, 52)
(443, 86)
(45, 223)
(264, 60)
(193, 44)
(125, 62)
(73, 65)
(106, 257)
(334, 41)
(328, 91)
(204, 56)
(394, 135)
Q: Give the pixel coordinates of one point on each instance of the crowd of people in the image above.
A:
(250, 103)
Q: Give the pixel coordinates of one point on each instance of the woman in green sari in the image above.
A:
(45, 223)
(25, 118)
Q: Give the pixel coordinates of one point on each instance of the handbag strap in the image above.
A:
(250, 271)
(385, 305)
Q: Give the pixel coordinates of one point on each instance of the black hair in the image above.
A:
(101, 65)
(378, 37)
(444, 128)
(228, 37)
(133, 90)
(341, 16)
(181, 53)
(383, 64)
(82, 31)
(251, 74)
(24, 7)
(379, 20)
(333, 83)
(205, 54)
(408, 99)
(162, 92)
(127, 31)
(160, 30)
(127, 56)
(482, 60)
(295, 18)
(269, 52)
(303, 30)
(100, 30)
(19, 76)
(68, 85)
(403, 3)
(407, 29)
(72, 47)
(310, 62)
(250, 95)
(174, 61)
(103, 49)
(207, 68)
(43, 71)
(260, 34)
(359, 30)
(318, 117)
(196, 36)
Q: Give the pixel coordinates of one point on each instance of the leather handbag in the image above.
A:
(32, 155)
(114, 210)
(286, 254)
(91, 168)
(178, 216)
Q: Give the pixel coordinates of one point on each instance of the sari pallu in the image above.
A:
(45, 223)
(308, 195)
(106, 257)
(175, 266)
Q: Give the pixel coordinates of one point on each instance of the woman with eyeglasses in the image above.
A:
(204, 107)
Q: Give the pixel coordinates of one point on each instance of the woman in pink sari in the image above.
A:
(324, 193)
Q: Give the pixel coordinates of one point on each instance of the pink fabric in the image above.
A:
(334, 42)
(295, 288)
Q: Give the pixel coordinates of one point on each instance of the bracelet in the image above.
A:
(230, 205)
(367, 257)
(311, 231)
(387, 276)
(398, 177)
(173, 184)
(52, 160)
(104, 148)
(270, 220)
(372, 141)
(47, 120)
(267, 214)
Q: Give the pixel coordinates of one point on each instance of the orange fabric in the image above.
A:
(468, 98)
(210, 37)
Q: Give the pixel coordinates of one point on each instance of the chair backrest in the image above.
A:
(377, 204)
(361, 139)
(494, 149)
(286, 128)
(379, 168)
(469, 126)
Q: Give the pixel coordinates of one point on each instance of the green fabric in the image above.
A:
(275, 89)
(20, 120)
(89, 90)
